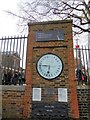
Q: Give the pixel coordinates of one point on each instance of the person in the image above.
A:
(19, 78)
(5, 82)
(79, 76)
(15, 78)
(23, 77)
(9, 76)
(84, 77)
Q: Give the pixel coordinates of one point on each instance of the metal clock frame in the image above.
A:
(59, 73)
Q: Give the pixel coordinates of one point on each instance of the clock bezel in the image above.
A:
(55, 76)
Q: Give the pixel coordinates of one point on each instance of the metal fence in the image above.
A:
(82, 64)
(13, 59)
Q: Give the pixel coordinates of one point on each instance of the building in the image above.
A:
(10, 59)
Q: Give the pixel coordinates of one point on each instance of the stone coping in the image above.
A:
(50, 22)
(22, 87)
(13, 87)
(83, 87)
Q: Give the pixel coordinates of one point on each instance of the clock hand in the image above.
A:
(44, 65)
(48, 69)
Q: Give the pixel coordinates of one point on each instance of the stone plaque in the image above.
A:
(50, 35)
(62, 95)
(36, 94)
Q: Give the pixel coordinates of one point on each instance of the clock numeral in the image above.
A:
(51, 75)
(48, 75)
(39, 66)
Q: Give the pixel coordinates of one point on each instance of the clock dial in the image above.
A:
(49, 66)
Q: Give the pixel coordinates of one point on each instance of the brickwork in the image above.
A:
(84, 102)
(17, 100)
(64, 49)
(12, 101)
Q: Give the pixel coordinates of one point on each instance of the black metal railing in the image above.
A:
(13, 59)
(82, 64)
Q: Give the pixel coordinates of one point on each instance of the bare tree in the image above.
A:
(44, 10)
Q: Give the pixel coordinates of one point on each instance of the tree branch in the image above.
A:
(82, 29)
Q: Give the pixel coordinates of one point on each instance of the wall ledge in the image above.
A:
(13, 87)
(83, 87)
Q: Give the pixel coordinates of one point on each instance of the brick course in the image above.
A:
(12, 101)
(17, 100)
(64, 49)
(13, 96)
(84, 102)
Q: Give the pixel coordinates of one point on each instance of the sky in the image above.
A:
(8, 23)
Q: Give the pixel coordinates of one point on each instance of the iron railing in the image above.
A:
(13, 59)
(82, 64)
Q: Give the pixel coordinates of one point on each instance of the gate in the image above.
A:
(13, 59)
(82, 62)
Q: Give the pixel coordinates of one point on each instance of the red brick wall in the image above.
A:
(64, 49)
(12, 101)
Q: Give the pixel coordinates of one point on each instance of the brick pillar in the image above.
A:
(71, 80)
(62, 48)
(27, 97)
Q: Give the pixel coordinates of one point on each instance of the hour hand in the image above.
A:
(44, 65)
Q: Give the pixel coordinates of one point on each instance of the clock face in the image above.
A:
(49, 66)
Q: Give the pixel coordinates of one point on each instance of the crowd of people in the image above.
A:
(10, 77)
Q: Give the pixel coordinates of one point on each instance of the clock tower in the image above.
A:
(50, 72)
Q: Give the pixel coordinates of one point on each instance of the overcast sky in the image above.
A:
(8, 24)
